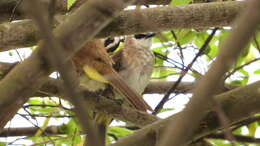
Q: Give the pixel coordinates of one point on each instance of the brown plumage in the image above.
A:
(135, 64)
(94, 54)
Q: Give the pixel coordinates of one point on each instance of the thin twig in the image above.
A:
(48, 116)
(238, 138)
(183, 73)
(46, 105)
(240, 67)
(71, 82)
(179, 46)
(39, 128)
(177, 134)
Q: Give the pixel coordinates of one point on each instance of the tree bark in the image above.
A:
(9, 9)
(219, 14)
(52, 86)
(29, 75)
(237, 104)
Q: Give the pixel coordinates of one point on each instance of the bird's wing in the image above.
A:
(133, 97)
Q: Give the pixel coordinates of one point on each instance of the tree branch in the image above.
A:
(24, 33)
(103, 105)
(30, 131)
(246, 25)
(238, 138)
(54, 54)
(51, 86)
(29, 75)
(237, 104)
(9, 9)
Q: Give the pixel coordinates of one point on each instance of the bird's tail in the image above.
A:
(102, 123)
(133, 97)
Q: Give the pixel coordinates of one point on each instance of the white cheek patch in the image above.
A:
(144, 43)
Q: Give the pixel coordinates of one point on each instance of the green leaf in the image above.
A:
(70, 3)
(34, 101)
(71, 127)
(252, 128)
(166, 110)
(245, 80)
(200, 39)
(162, 73)
(238, 131)
(119, 132)
(185, 36)
(180, 2)
(244, 72)
(257, 71)
(236, 82)
(3, 143)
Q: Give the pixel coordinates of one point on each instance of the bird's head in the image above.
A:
(112, 43)
(143, 40)
(137, 40)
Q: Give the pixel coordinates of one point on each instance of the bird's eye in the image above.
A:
(109, 41)
(139, 36)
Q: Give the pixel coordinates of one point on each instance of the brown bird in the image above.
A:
(94, 61)
(133, 63)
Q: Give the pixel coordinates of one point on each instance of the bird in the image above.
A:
(94, 61)
(129, 68)
(134, 62)
(112, 44)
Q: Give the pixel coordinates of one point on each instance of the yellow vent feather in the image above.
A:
(93, 74)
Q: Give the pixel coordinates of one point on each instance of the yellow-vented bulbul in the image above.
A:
(133, 66)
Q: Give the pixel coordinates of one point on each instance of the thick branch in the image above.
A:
(110, 107)
(29, 75)
(52, 86)
(93, 101)
(30, 131)
(117, 111)
(9, 9)
(238, 138)
(54, 55)
(137, 21)
(237, 104)
(246, 25)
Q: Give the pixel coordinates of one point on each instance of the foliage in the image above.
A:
(174, 51)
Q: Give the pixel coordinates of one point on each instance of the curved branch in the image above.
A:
(237, 104)
(9, 9)
(24, 33)
(52, 86)
(29, 75)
